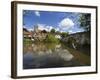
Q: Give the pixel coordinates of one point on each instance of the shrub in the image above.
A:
(64, 34)
(52, 30)
(51, 38)
(27, 41)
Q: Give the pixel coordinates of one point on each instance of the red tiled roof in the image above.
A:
(27, 33)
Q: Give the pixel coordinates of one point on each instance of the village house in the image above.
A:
(27, 34)
(38, 34)
(58, 36)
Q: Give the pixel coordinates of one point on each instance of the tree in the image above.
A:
(64, 34)
(44, 31)
(52, 31)
(51, 39)
(85, 21)
(24, 29)
(58, 32)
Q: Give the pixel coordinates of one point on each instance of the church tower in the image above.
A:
(36, 28)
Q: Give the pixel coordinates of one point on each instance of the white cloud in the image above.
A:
(70, 31)
(75, 31)
(66, 23)
(49, 28)
(37, 13)
(80, 30)
(57, 29)
(30, 29)
(24, 26)
(44, 27)
(41, 26)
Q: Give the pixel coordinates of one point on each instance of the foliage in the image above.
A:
(85, 21)
(71, 40)
(64, 34)
(58, 32)
(24, 29)
(27, 41)
(52, 31)
(51, 38)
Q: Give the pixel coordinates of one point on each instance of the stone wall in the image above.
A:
(81, 38)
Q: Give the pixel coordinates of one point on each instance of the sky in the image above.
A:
(47, 20)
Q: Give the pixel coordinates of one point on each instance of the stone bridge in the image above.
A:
(80, 38)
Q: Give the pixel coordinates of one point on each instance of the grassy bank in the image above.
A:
(27, 41)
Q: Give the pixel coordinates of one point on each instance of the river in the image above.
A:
(51, 55)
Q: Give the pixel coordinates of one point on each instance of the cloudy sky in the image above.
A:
(60, 21)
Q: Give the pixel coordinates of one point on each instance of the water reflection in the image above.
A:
(48, 55)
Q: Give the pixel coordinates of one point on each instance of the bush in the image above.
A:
(64, 34)
(70, 41)
(51, 38)
(27, 41)
(52, 30)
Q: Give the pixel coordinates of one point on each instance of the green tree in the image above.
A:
(51, 38)
(85, 21)
(64, 34)
(58, 32)
(52, 31)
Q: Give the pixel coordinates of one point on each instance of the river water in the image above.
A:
(50, 55)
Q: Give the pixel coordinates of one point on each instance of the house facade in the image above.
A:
(27, 34)
(38, 34)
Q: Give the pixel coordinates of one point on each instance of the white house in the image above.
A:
(57, 36)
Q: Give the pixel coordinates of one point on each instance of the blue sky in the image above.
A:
(60, 21)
